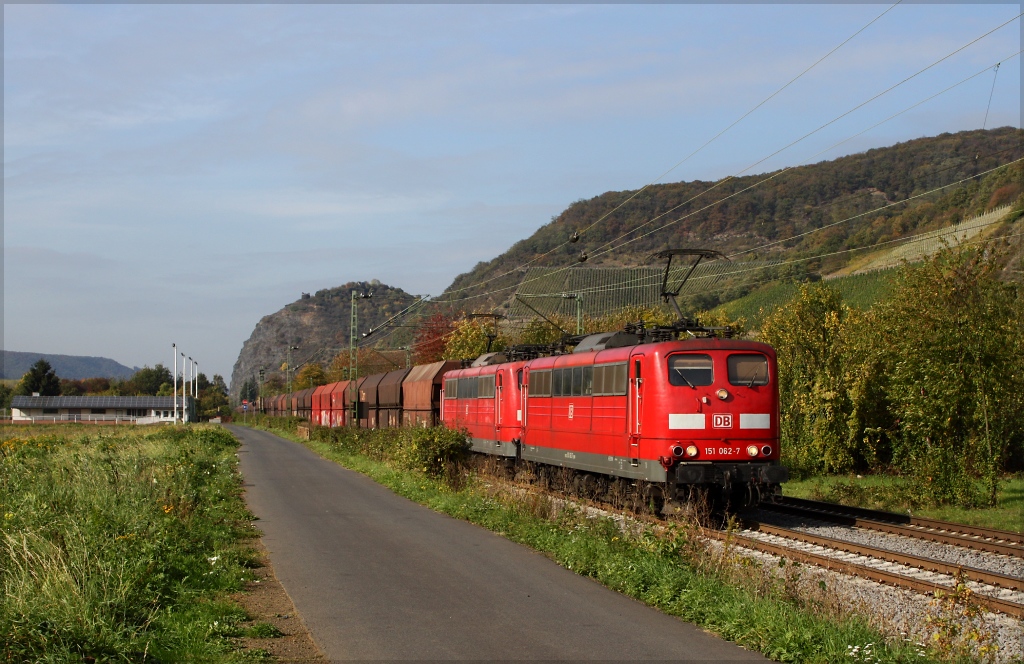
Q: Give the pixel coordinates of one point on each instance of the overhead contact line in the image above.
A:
(687, 157)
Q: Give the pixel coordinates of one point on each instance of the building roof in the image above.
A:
(94, 402)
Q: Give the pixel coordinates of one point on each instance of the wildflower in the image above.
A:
(213, 559)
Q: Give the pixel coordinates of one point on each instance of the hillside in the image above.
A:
(317, 324)
(74, 367)
(792, 202)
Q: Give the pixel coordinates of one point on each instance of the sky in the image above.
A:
(173, 173)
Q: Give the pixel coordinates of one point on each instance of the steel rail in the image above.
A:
(943, 537)
(863, 571)
(920, 562)
(922, 522)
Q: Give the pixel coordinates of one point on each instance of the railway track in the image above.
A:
(995, 590)
(990, 540)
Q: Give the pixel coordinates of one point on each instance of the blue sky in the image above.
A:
(172, 173)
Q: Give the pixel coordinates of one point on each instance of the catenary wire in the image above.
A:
(720, 182)
(451, 301)
(687, 157)
(808, 135)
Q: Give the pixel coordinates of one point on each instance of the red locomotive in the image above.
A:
(702, 412)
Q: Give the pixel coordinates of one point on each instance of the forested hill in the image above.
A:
(318, 325)
(73, 367)
(788, 203)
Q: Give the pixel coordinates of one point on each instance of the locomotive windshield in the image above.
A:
(690, 370)
(748, 370)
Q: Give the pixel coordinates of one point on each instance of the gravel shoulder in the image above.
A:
(266, 601)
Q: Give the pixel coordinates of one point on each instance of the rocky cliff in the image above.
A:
(318, 325)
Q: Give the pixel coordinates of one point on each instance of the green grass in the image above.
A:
(120, 544)
(890, 493)
(661, 571)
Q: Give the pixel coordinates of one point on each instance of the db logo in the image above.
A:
(721, 421)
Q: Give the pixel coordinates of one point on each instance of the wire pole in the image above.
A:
(353, 353)
(990, 95)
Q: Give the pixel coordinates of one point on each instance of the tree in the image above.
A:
(219, 384)
(338, 371)
(250, 390)
(39, 378)
(311, 375)
(950, 341)
(213, 397)
(147, 381)
(470, 339)
(431, 338)
(810, 339)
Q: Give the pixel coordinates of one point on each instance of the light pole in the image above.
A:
(183, 399)
(174, 380)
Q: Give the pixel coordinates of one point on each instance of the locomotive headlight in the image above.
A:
(691, 451)
(752, 450)
(766, 450)
(723, 394)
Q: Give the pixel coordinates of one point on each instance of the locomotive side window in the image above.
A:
(748, 370)
(486, 387)
(556, 382)
(690, 370)
(451, 390)
(608, 379)
(540, 383)
(468, 388)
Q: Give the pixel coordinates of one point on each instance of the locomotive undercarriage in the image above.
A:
(718, 487)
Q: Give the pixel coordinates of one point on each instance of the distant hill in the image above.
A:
(318, 324)
(73, 367)
(745, 214)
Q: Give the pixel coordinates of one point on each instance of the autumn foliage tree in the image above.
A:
(311, 375)
(431, 339)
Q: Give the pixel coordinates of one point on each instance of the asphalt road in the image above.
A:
(378, 577)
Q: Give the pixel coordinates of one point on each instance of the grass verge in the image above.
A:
(667, 569)
(898, 494)
(121, 544)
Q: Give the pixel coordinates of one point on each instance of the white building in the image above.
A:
(137, 410)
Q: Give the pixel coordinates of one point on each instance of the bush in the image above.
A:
(435, 451)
